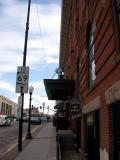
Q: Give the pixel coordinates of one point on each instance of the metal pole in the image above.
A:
(48, 110)
(43, 106)
(20, 124)
(26, 34)
(24, 64)
(29, 129)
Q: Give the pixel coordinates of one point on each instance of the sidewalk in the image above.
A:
(42, 147)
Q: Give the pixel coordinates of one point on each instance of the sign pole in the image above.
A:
(24, 64)
(20, 123)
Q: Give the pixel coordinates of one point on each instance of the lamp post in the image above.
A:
(29, 130)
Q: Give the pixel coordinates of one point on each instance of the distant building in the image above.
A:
(7, 107)
(34, 110)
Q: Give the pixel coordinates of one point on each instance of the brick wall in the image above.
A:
(107, 63)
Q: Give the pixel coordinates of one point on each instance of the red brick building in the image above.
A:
(90, 55)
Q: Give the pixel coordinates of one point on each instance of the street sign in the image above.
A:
(20, 102)
(22, 79)
(19, 107)
(18, 113)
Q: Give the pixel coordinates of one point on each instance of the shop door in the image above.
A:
(78, 133)
(93, 137)
(90, 142)
(116, 131)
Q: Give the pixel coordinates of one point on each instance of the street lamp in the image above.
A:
(29, 131)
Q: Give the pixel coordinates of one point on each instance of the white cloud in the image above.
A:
(51, 60)
(43, 34)
(37, 85)
(43, 43)
(37, 99)
(7, 86)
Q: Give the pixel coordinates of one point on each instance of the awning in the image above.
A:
(59, 89)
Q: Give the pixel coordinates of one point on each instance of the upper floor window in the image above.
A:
(78, 81)
(117, 8)
(116, 14)
(90, 56)
(117, 5)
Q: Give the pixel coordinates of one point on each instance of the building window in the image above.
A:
(10, 110)
(117, 8)
(116, 14)
(6, 108)
(77, 19)
(90, 56)
(2, 108)
(78, 80)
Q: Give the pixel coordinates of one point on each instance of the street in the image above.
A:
(9, 136)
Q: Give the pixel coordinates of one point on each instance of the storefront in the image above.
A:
(93, 136)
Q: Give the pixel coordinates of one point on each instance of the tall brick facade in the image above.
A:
(95, 101)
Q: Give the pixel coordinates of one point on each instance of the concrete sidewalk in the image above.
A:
(42, 147)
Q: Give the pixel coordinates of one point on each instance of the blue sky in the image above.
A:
(43, 46)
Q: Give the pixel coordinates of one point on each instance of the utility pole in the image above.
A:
(24, 64)
(48, 110)
(43, 106)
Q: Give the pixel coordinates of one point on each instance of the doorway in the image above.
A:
(116, 130)
(93, 136)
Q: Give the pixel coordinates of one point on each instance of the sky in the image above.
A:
(42, 51)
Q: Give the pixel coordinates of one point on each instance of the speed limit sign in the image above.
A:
(22, 79)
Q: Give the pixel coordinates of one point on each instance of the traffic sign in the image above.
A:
(22, 79)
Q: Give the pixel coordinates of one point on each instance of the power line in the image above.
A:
(40, 28)
(40, 32)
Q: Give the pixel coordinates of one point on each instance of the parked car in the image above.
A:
(11, 117)
(35, 119)
(25, 118)
(4, 120)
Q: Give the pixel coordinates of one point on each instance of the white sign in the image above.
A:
(19, 102)
(18, 113)
(22, 79)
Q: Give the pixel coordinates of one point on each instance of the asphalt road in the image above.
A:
(9, 136)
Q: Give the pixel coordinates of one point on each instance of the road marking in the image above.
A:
(14, 145)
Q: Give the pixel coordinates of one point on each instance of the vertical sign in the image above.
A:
(22, 79)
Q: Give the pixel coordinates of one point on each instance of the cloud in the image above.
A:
(7, 86)
(37, 85)
(38, 101)
(43, 44)
(43, 39)
(50, 60)
(37, 98)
